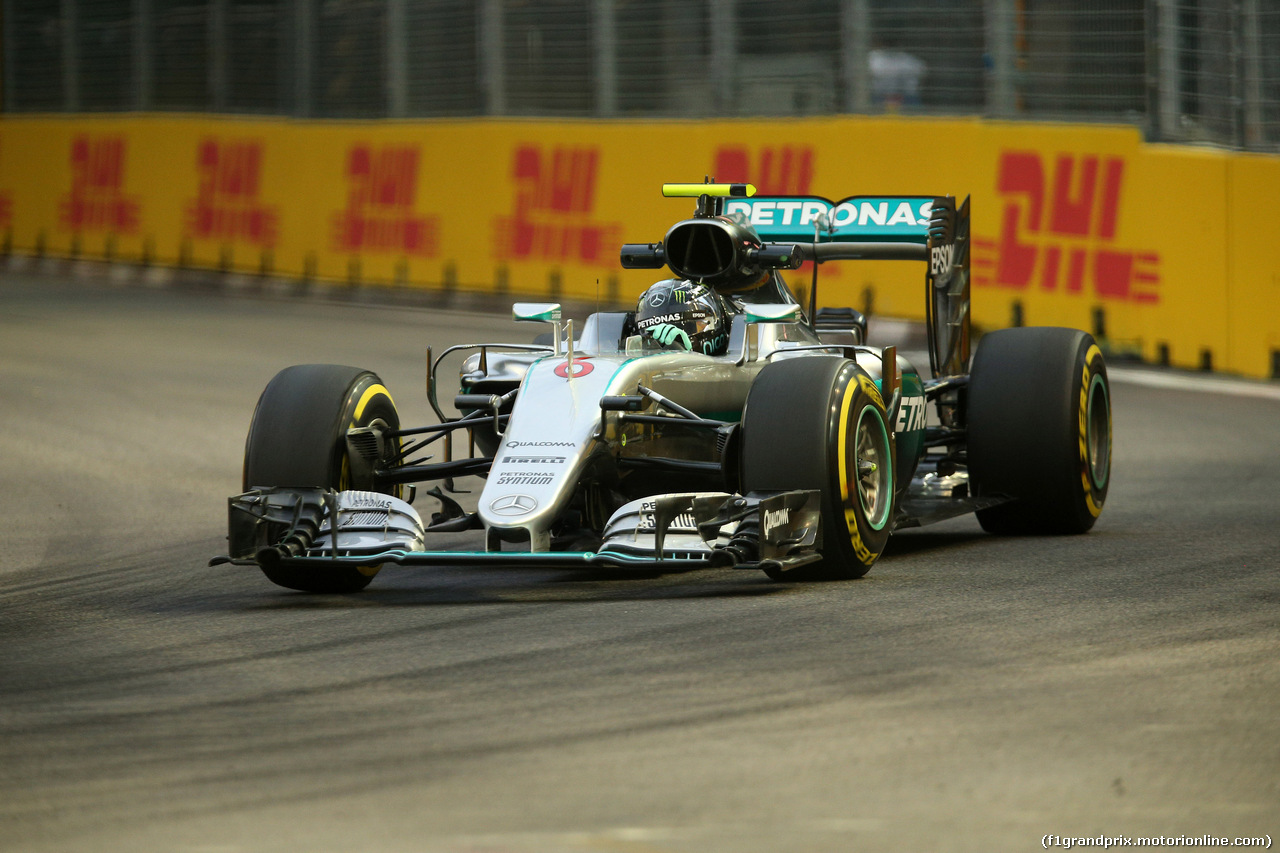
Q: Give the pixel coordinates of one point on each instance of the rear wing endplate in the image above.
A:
(947, 288)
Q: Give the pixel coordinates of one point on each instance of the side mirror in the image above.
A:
(543, 312)
(771, 312)
(536, 312)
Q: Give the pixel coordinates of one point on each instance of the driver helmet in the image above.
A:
(685, 314)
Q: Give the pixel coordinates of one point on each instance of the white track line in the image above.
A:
(1182, 382)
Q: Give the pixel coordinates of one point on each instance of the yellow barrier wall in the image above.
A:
(1252, 286)
(1166, 247)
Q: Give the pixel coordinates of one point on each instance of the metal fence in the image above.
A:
(1201, 71)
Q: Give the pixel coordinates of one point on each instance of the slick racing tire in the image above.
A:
(816, 422)
(1039, 423)
(298, 438)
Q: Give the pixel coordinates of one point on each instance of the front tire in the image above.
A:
(1039, 421)
(298, 438)
(819, 423)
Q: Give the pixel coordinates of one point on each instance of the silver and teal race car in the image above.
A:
(796, 450)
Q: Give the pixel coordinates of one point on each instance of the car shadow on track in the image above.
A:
(917, 541)
(463, 586)
(451, 587)
(401, 587)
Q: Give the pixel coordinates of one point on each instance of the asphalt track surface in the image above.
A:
(971, 693)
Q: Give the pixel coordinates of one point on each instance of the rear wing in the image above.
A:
(922, 228)
(858, 219)
(736, 236)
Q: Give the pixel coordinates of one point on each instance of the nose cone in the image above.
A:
(549, 439)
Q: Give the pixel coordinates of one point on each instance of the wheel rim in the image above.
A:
(873, 468)
(1098, 432)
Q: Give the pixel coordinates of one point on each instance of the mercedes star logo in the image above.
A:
(513, 505)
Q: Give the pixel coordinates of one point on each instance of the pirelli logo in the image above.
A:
(533, 460)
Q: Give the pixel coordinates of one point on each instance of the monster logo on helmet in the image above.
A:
(683, 313)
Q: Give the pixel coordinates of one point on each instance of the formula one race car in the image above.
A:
(787, 445)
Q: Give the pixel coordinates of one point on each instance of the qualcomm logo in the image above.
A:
(515, 444)
(775, 518)
(513, 505)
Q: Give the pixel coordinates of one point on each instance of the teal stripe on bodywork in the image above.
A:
(910, 442)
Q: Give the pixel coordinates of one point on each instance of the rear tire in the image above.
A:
(808, 424)
(1039, 420)
(298, 438)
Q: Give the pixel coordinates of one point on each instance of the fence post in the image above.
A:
(143, 63)
(724, 54)
(397, 59)
(1251, 71)
(1169, 87)
(605, 36)
(855, 48)
(1002, 93)
(70, 57)
(303, 35)
(492, 50)
(10, 28)
(218, 65)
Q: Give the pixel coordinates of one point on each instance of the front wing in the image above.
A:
(283, 526)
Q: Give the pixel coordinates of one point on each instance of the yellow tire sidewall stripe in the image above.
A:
(369, 393)
(1086, 383)
(843, 457)
(848, 507)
